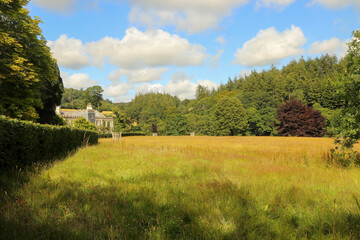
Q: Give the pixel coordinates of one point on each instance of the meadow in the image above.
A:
(186, 188)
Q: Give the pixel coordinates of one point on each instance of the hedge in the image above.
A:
(24, 143)
(124, 134)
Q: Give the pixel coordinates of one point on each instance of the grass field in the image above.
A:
(187, 188)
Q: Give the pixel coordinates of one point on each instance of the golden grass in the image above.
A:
(192, 188)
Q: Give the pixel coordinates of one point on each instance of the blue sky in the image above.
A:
(133, 46)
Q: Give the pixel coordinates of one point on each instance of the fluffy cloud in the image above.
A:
(270, 47)
(179, 85)
(332, 46)
(136, 50)
(277, 4)
(209, 84)
(186, 15)
(147, 87)
(336, 4)
(150, 48)
(118, 91)
(77, 80)
(138, 76)
(69, 52)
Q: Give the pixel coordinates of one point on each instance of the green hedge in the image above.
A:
(124, 134)
(23, 143)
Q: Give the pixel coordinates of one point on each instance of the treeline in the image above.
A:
(245, 105)
(78, 99)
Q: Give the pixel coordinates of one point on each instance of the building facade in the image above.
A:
(89, 114)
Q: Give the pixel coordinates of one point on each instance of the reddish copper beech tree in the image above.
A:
(297, 119)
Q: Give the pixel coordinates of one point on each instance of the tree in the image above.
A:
(202, 92)
(121, 122)
(82, 123)
(176, 124)
(297, 119)
(229, 117)
(94, 96)
(30, 84)
(261, 122)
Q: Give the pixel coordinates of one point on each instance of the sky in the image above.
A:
(137, 46)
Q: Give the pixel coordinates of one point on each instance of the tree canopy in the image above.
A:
(30, 83)
(297, 119)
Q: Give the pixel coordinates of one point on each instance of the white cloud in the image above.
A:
(270, 47)
(276, 4)
(138, 76)
(56, 5)
(147, 87)
(209, 84)
(179, 85)
(221, 40)
(186, 15)
(69, 52)
(332, 46)
(337, 4)
(118, 91)
(136, 50)
(151, 48)
(77, 80)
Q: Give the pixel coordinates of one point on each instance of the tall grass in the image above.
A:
(189, 188)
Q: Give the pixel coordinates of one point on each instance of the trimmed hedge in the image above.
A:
(23, 143)
(124, 134)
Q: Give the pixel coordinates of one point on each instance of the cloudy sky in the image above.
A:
(132, 46)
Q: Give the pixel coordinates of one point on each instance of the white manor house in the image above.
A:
(89, 114)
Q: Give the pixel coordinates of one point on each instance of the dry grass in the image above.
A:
(190, 188)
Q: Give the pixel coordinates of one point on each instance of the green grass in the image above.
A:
(186, 188)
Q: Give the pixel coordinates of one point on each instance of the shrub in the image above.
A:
(24, 143)
(82, 123)
(297, 119)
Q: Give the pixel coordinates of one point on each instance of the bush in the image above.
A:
(24, 143)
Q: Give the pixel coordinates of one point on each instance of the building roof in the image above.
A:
(72, 113)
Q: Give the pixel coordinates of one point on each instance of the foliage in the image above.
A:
(24, 143)
(154, 128)
(30, 83)
(350, 127)
(261, 122)
(82, 123)
(94, 96)
(333, 119)
(78, 99)
(297, 119)
(176, 124)
(229, 117)
(122, 123)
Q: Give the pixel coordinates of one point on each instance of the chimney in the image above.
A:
(89, 107)
(57, 111)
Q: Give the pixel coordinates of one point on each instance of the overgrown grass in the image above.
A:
(188, 188)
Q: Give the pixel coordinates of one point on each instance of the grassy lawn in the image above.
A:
(187, 188)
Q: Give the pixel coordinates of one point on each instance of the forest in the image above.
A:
(245, 105)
